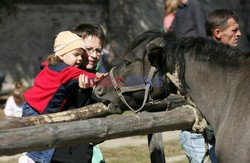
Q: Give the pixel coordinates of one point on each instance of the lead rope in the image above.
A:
(198, 125)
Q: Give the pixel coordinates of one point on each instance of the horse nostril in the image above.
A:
(99, 91)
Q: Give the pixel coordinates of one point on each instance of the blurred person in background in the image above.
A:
(189, 19)
(222, 26)
(14, 103)
(170, 11)
(107, 60)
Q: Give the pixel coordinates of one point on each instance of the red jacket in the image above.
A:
(52, 87)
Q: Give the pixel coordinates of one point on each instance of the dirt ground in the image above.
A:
(137, 140)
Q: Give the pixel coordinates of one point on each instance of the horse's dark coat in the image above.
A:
(215, 76)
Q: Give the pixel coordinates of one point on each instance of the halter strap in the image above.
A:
(148, 84)
(120, 90)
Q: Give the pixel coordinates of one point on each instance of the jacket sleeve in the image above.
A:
(72, 73)
(199, 19)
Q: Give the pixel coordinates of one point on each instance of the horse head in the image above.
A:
(138, 80)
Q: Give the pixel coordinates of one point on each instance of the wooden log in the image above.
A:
(86, 112)
(46, 136)
(90, 111)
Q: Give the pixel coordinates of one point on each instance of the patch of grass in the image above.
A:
(126, 154)
(138, 154)
(173, 148)
(182, 161)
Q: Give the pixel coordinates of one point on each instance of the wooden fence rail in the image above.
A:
(43, 136)
(86, 112)
(90, 111)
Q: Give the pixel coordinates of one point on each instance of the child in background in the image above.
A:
(14, 103)
(55, 83)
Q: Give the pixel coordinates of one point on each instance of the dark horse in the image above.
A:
(216, 77)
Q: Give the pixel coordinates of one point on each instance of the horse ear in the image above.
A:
(155, 43)
(155, 50)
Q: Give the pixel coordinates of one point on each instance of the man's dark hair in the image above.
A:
(218, 19)
(85, 29)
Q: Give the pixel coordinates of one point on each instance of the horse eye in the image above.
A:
(126, 62)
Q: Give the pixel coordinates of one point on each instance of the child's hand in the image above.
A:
(100, 76)
(84, 81)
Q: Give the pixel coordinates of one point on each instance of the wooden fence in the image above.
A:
(78, 126)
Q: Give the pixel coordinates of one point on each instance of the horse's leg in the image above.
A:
(156, 149)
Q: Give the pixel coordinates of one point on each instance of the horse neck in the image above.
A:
(214, 88)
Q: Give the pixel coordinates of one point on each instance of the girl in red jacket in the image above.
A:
(53, 86)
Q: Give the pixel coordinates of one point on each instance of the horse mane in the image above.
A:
(144, 37)
(202, 49)
(206, 49)
(142, 40)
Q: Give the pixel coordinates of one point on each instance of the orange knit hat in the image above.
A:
(67, 41)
